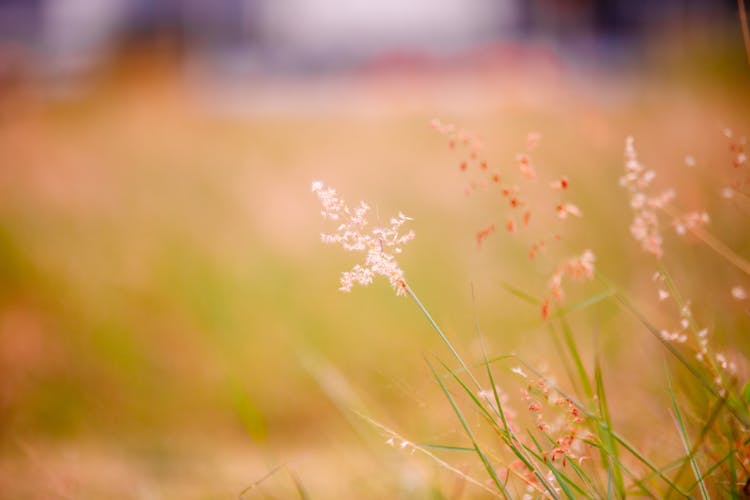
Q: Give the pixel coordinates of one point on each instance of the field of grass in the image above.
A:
(170, 324)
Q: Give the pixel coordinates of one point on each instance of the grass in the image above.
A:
(169, 318)
(588, 429)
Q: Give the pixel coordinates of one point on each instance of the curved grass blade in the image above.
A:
(680, 423)
(467, 429)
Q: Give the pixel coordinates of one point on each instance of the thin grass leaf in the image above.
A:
(583, 304)
(565, 483)
(394, 435)
(257, 483)
(536, 443)
(540, 459)
(473, 397)
(508, 437)
(443, 337)
(733, 471)
(593, 491)
(570, 342)
(606, 429)
(713, 468)
(298, 485)
(588, 414)
(637, 482)
(521, 294)
(714, 243)
(663, 470)
(704, 432)
(633, 451)
(467, 429)
(743, 418)
(569, 370)
(679, 421)
(490, 377)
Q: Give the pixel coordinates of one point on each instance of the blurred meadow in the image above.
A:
(170, 323)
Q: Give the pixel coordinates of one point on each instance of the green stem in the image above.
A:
(445, 340)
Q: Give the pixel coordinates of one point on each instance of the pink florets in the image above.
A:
(378, 244)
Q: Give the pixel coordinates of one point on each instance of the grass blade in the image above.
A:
(595, 299)
(571, 344)
(467, 429)
(394, 435)
(679, 421)
(520, 294)
(443, 337)
(605, 431)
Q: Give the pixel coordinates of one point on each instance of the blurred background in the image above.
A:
(170, 325)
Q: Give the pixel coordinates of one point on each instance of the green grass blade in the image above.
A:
(259, 481)
(565, 483)
(442, 463)
(617, 437)
(634, 451)
(714, 467)
(567, 364)
(588, 483)
(442, 335)
(743, 417)
(490, 377)
(490, 470)
(571, 344)
(583, 304)
(521, 294)
(298, 485)
(704, 432)
(605, 431)
(679, 421)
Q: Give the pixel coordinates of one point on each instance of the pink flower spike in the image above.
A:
(379, 244)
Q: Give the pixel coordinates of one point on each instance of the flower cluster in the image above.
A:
(579, 268)
(645, 226)
(566, 431)
(379, 244)
(690, 220)
(513, 187)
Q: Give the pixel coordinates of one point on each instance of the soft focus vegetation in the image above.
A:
(170, 324)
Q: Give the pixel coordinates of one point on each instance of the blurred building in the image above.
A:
(75, 35)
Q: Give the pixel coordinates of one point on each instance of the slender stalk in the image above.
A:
(717, 246)
(445, 340)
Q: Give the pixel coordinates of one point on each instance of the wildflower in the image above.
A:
(545, 308)
(565, 209)
(645, 225)
(578, 269)
(690, 220)
(482, 234)
(379, 244)
(562, 183)
(738, 293)
(663, 295)
(525, 167)
(740, 159)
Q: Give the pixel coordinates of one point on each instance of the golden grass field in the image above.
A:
(170, 324)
